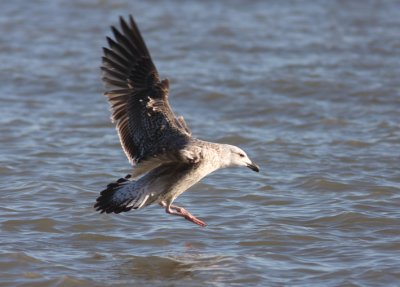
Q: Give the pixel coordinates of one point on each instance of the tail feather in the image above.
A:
(117, 197)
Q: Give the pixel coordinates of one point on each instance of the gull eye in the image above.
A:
(241, 155)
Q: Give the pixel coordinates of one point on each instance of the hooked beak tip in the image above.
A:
(253, 167)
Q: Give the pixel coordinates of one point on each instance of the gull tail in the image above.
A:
(120, 196)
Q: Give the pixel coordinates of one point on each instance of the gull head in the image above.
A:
(237, 157)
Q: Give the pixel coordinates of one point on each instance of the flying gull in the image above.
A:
(167, 159)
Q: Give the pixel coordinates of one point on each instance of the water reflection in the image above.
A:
(156, 268)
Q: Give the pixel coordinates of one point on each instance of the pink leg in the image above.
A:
(180, 211)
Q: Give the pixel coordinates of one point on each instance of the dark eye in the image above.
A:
(241, 155)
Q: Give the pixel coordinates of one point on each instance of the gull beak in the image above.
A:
(253, 167)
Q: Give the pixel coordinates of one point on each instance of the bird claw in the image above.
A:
(197, 221)
(180, 211)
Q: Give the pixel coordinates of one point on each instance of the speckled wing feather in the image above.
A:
(144, 120)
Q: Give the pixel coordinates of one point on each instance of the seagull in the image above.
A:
(167, 160)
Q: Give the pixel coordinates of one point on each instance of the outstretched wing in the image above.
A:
(144, 120)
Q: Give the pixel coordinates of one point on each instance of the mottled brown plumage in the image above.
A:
(167, 159)
(145, 121)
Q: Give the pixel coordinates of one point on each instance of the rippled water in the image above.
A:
(309, 89)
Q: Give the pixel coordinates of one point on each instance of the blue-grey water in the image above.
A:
(310, 89)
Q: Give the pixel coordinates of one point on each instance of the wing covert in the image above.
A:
(144, 120)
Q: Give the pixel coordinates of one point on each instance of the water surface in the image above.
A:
(309, 89)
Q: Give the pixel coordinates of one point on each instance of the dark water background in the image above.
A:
(310, 89)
